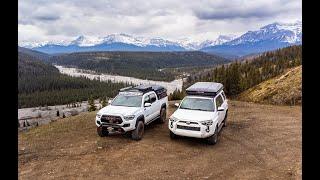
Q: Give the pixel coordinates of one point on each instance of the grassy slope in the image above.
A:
(283, 89)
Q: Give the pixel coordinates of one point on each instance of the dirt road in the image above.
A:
(260, 142)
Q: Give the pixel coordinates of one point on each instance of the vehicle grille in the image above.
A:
(188, 122)
(188, 128)
(111, 119)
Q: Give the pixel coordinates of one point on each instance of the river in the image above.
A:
(75, 72)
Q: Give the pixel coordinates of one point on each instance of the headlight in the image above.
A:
(98, 116)
(130, 117)
(173, 119)
(207, 122)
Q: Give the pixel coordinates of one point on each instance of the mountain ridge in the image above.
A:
(268, 37)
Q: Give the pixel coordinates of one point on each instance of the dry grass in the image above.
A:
(284, 89)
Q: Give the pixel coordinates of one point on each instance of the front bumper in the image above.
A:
(123, 127)
(191, 130)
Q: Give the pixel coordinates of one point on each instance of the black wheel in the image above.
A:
(102, 132)
(128, 134)
(214, 138)
(163, 115)
(225, 119)
(172, 135)
(138, 132)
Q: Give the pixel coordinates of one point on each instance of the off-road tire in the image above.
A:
(138, 132)
(102, 132)
(163, 115)
(225, 119)
(128, 134)
(212, 140)
(172, 135)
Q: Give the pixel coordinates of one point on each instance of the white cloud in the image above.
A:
(41, 20)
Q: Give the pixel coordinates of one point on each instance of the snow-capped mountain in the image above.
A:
(125, 38)
(220, 40)
(121, 38)
(35, 44)
(188, 43)
(111, 42)
(84, 41)
(289, 33)
(269, 37)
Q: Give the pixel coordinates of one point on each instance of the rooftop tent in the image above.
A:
(204, 89)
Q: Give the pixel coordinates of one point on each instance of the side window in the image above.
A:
(224, 96)
(146, 99)
(219, 101)
(152, 97)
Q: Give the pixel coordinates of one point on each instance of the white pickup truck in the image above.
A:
(132, 109)
(201, 114)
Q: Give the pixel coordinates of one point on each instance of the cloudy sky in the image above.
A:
(54, 20)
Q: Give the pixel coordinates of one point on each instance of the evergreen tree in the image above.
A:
(239, 76)
(104, 102)
(176, 95)
(92, 106)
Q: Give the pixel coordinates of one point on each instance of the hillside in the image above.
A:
(283, 89)
(41, 84)
(35, 54)
(254, 145)
(143, 65)
(241, 75)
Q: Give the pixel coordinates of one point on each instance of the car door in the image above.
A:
(219, 103)
(147, 110)
(154, 105)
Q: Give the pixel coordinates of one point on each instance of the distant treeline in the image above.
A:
(41, 84)
(239, 76)
(144, 65)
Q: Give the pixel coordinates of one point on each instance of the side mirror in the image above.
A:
(109, 101)
(220, 108)
(176, 104)
(147, 104)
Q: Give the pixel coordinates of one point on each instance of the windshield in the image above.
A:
(127, 100)
(197, 104)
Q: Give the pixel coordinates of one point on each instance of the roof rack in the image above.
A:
(144, 88)
(159, 90)
(125, 89)
(204, 89)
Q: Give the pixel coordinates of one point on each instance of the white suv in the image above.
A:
(201, 114)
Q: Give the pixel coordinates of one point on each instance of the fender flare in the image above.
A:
(164, 105)
(216, 125)
(140, 118)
